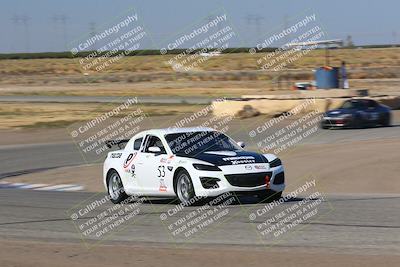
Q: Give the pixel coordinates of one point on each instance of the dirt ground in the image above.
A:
(25, 253)
(59, 115)
(207, 88)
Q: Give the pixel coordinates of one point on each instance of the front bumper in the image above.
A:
(241, 179)
(336, 122)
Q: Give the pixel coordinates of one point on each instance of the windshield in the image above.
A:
(193, 143)
(353, 104)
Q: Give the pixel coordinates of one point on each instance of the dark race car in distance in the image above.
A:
(357, 113)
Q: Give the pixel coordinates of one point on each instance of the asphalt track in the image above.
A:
(17, 159)
(21, 159)
(350, 223)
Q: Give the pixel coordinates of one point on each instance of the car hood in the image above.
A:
(221, 158)
(339, 112)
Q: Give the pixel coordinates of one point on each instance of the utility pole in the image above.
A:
(23, 19)
(256, 21)
(15, 21)
(92, 28)
(249, 19)
(62, 19)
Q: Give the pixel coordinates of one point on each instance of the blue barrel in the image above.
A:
(327, 77)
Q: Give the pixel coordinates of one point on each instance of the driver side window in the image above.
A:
(371, 104)
(154, 141)
(137, 143)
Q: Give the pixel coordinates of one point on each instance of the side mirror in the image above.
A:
(154, 149)
(241, 144)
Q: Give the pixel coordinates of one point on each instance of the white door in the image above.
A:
(150, 168)
(131, 155)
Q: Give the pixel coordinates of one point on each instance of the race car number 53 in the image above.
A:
(161, 171)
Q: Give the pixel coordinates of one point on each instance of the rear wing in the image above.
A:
(121, 143)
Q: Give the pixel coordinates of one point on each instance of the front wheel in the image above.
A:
(184, 187)
(115, 188)
(358, 123)
(324, 127)
(386, 120)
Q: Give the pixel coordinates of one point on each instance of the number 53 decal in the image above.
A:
(161, 171)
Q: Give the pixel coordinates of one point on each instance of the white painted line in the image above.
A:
(33, 186)
(42, 187)
(74, 188)
(55, 187)
(12, 185)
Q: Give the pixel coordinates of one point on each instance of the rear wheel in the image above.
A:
(115, 188)
(184, 187)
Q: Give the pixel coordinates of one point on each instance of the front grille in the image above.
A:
(279, 178)
(209, 182)
(248, 179)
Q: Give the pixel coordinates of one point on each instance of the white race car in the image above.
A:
(189, 163)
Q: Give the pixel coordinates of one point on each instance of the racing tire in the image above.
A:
(358, 123)
(269, 196)
(184, 188)
(386, 120)
(324, 127)
(115, 188)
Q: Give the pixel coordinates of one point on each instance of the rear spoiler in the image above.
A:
(120, 143)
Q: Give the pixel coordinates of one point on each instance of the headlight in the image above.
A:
(204, 167)
(275, 163)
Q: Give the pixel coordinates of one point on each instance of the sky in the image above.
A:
(55, 25)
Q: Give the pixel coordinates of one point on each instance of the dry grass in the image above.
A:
(56, 115)
(140, 74)
(180, 89)
(244, 61)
